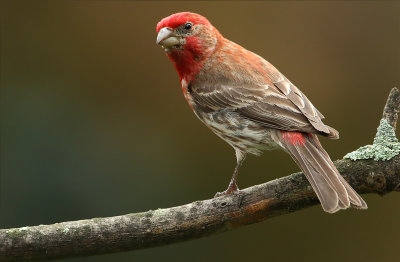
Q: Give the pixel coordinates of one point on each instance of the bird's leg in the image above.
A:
(233, 188)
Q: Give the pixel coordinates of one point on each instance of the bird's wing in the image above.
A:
(301, 102)
(264, 104)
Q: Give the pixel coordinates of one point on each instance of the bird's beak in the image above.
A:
(167, 38)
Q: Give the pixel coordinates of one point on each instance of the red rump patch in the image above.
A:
(294, 138)
(175, 20)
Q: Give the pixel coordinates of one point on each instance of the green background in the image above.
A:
(93, 122)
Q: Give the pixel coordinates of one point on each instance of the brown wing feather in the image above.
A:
(266, 105)
(302, 103)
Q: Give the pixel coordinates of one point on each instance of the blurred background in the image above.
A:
(94, 124)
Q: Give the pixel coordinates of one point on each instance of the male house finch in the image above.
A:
(253, 107)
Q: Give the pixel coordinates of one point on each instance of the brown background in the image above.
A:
(93, 122)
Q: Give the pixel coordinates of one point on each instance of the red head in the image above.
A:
(188, 40)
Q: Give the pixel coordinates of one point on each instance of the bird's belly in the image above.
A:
(240, 132)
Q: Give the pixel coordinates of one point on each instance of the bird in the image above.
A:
(248, 103)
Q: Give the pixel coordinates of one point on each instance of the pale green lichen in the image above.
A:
(160, 211)
(16, 232)
(385, 145)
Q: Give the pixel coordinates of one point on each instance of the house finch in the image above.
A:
(248, 103)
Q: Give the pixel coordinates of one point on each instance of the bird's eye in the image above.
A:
(188, 26)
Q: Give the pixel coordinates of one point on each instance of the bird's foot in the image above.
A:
(232, 189)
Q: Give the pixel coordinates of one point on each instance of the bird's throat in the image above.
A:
(186, 63)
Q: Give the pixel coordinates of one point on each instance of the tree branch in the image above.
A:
(391, 110)
(197, 219)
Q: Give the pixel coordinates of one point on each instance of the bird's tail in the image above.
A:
(332, 190)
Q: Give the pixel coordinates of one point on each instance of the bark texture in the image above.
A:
(197, 219)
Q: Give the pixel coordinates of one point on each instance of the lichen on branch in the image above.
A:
(385, 146)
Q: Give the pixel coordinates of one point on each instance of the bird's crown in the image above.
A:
(175, 20)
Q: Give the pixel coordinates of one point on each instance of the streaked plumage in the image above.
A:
(247, 102)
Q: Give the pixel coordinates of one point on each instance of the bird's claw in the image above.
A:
(232, 189)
